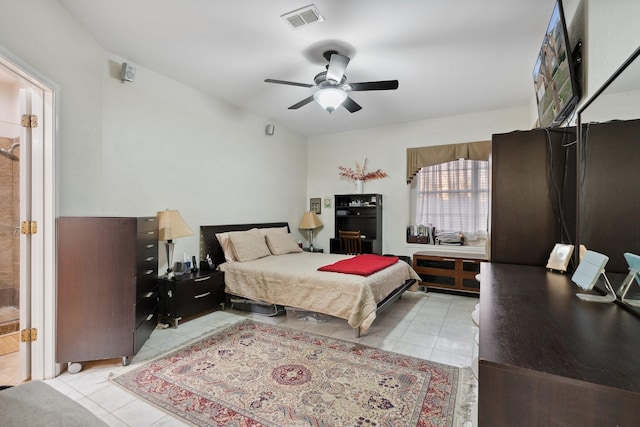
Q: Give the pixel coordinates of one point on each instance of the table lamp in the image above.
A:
(310, 221)
(171, 226)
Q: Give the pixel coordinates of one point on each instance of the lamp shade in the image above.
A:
(310, 221)
(171, 225)
(330, 98)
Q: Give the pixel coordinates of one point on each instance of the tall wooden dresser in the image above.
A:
(107, 303)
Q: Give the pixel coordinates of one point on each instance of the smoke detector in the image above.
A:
(304, 16)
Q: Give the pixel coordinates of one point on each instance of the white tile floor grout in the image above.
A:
(431, 326)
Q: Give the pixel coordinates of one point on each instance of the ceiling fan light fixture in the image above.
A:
(330, 98)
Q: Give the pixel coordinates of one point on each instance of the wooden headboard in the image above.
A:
(209, 243)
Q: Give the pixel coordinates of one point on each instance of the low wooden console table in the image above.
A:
(450, 267)
(548, 358)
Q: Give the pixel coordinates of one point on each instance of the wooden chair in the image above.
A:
(350, 242)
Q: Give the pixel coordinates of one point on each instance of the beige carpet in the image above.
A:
(37, 404)
(9, 343)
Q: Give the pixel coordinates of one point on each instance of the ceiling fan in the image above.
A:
(332, 87)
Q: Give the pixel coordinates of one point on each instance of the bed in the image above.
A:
(291, 278)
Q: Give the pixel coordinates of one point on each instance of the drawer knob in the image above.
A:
(202, 279)
(148, 272)
(202, 295)
(149, 259)
(149, 317)
(148, 295)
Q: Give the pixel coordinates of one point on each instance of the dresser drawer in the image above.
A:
(146, 256)
(146, 305)
(147, 265)
(147, 247)
(144, 329)
(148, 225)
(145, 284)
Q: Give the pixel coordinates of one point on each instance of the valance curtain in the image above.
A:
(420, 157)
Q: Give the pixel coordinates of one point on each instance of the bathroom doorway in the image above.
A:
(27, 223)
(9, 227)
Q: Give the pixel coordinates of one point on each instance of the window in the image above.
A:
(452, 196)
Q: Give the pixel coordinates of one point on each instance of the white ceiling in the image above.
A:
(450, 56)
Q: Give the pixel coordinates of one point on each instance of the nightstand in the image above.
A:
(190, 294)
(316, 250)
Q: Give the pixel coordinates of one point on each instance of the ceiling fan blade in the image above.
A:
(351, 105)
(337, 66)
(284, 82)
(381, 85)
(301, 103)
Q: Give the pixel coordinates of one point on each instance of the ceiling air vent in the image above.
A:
(303, 16)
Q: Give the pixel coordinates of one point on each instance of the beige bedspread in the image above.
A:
(293, 280)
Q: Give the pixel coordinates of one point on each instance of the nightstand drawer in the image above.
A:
(197, 287)
(194, 294)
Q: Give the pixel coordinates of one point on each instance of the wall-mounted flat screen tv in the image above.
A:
(554, 79)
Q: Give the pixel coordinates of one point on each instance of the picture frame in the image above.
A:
(315, 205)
(559, 257)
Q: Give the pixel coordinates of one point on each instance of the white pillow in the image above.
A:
(225, 244)
(272, 230)
(248, 245)
(280, 244)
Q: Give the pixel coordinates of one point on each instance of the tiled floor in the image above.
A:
(432, 326)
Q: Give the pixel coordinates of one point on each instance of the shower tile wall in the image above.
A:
(9, 219)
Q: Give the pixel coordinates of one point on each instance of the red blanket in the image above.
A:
(362, 265)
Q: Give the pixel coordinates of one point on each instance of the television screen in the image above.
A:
(553, 75)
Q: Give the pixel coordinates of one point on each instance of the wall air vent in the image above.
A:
(303, 16)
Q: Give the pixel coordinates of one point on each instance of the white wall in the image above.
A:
(613, 34)
(130, 149)
(610, 36)
(182, 149)
(134, 148)
(385, 147)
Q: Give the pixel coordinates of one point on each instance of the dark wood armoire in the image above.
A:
(533, 194)
(107, 298)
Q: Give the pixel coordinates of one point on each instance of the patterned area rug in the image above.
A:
(252, 374)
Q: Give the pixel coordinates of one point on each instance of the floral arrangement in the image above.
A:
(360, 173)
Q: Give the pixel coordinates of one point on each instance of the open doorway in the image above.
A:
(10, 85)
(27, 223)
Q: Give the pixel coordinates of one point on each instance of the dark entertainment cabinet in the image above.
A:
(107, 299)
(359, 212)
(547, 358)
(533, 176)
